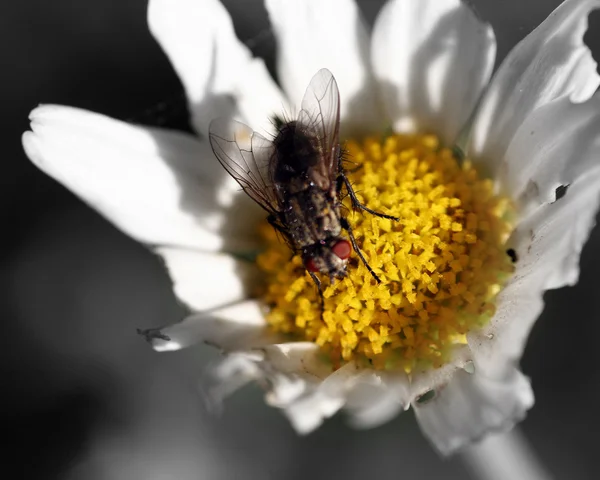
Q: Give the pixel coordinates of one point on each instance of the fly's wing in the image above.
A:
(245, 155)
(319, 118)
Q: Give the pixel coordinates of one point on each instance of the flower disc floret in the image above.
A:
(441, 265)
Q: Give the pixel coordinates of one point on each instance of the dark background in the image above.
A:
(85, 398)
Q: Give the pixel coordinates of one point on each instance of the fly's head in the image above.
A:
(328, 256)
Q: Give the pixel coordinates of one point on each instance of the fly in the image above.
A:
(298, 178)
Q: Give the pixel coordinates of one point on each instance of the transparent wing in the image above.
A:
(320, 117)
(245, 155)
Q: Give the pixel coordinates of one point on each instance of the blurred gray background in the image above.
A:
(85, 398)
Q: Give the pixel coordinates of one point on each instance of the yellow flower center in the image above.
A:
(441, 265)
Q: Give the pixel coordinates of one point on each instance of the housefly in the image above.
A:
(298, 177)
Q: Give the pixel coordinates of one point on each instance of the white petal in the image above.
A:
(422, 381)
(239, 326)
(301, 359)
(548, 245)
(432, 59)
(309, 411)
(315, 34)
(152, 184)
(371, 398)
(284, 390)
(341, 381)
(550, 63)
(218, 72)
(295, 372)
(319, 392)
(208, 280)
(518, 306)
(228, 375)
(292, 373)
(558, 145)
(376, 398)
(470, 406)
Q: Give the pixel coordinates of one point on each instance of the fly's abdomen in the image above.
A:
(295, 220)
(311, 217)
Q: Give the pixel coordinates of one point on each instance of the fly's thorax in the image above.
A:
(295, 155)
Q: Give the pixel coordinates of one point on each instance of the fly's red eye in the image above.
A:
(310, 265)
(342, 249)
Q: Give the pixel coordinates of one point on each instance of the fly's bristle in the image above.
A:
(278, 121)
(281, 119)
(346, 163)
(344, 154)
(343, 195)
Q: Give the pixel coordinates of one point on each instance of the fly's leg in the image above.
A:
(274, 222)
(356, 202)
(318, 284)
(346, 226)
(342, 179)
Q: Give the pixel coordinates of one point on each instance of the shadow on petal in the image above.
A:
(211, 197)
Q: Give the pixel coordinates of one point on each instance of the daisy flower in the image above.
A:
(495, 181)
